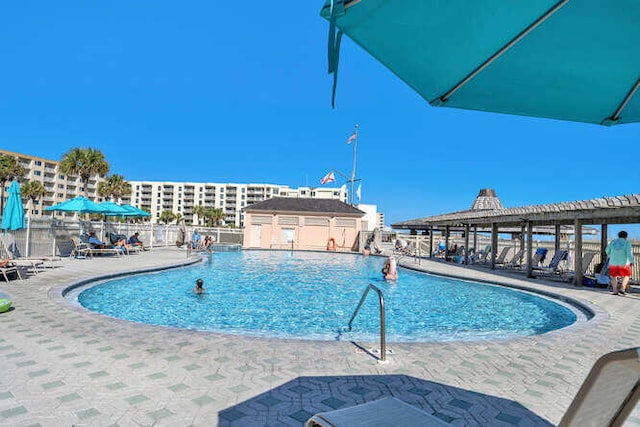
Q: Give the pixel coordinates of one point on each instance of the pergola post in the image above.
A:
(603, 242)
(523, 230)
(475, 239)
(529, 249)
(556, 246)
(466, 244)
(446, 242)
(494, 244)
(577, 262)
(431, 241)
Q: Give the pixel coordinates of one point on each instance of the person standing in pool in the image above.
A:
(199, 289)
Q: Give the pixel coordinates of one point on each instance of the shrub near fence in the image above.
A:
(44, 237)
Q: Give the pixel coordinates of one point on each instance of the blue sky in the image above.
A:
(238, 92)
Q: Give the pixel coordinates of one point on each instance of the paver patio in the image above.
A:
(61, 365)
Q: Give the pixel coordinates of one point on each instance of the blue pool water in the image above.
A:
(305, 295)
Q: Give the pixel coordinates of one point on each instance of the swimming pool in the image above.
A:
(307, 295)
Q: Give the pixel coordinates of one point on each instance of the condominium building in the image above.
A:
(60, 187)
(156, 197)
(181, 197)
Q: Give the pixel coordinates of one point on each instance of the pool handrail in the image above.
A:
(383, 342)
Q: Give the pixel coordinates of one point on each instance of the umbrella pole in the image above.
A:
(28, 234)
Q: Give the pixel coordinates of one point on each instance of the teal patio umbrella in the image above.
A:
(114, 209)
(577, 61)
(135, 212)
(13, 213)
(79, 205)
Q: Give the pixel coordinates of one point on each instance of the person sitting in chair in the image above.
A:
(94, 242)
(135, 240)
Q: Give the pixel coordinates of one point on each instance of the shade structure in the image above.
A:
(13, 214)
(78, 204)
(135, 212)
(577, 61)
(114, 209)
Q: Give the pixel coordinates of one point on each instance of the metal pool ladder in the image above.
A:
(383, 342)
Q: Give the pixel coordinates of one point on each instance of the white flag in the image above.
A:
(359, 191)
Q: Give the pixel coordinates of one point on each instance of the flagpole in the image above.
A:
(353, 171)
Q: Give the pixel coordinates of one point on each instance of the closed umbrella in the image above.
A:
(577, 61)
(13, 214)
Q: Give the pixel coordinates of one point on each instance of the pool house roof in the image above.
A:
(318, 206)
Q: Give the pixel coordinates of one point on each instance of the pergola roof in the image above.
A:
(603, 210)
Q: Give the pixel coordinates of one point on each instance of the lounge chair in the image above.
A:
(606, 398)
(587, 258)
(11, 249)
(554, 265)
(516, 259)
(80, 249)
(8, 269)
(503, 255)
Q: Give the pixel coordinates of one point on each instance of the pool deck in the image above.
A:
(61, 365)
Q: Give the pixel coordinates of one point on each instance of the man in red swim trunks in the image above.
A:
(620, 262)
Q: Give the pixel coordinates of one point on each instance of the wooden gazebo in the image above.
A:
(600, 211)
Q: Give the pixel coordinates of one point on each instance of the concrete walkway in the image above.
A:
(61, 365)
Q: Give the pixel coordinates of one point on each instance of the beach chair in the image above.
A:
(606, 398)
(503, 255)
(516, 259)
(554, 265)
(11, 249)
(587, 258)
(9, 268)
(80, 249)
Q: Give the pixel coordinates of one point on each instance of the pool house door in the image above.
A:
(256, 236)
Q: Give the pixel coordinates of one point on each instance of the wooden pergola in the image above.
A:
(600, 211)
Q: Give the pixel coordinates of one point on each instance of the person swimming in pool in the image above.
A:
(199, 289)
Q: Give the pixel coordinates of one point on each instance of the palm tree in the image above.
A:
(199, 210)
(217, 215)
(9, 169)
(84, 162)
(114, 187)
(178, 217)
(167, 217)
(33, 190)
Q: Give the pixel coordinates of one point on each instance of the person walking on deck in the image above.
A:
(620, 261)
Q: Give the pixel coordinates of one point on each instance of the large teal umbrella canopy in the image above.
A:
(78, 204)
(577, 61)
(114, 209)
(13, 213)
(135, 211)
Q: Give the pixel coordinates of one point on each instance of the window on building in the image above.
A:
(36, 202)
(61, 176)
(38, 163)
(313, 194)
(137, 187)
(243, 189)
(37, 173)
(60, 194)
(303, 192)
(243, 197)
(60, 185)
